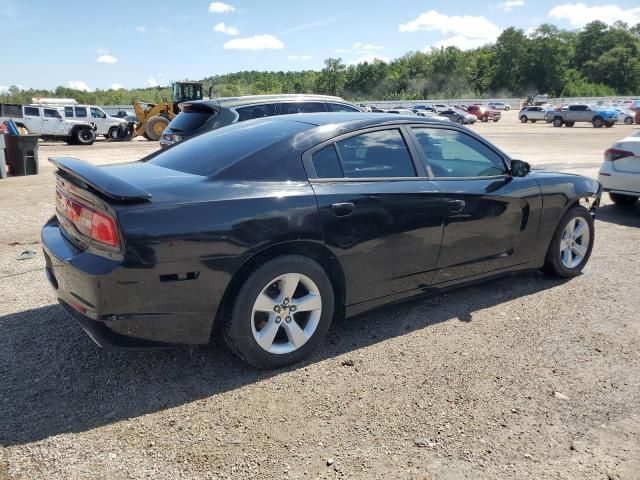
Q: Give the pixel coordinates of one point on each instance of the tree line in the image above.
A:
(599, 60)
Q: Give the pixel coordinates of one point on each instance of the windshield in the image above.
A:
(212, 152)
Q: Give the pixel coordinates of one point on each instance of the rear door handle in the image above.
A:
(342, 209)
(456, 206)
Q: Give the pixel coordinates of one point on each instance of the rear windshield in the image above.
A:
(211, 152)
(188, 121)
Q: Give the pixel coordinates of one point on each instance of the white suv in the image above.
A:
(48, 123)
(103, 124)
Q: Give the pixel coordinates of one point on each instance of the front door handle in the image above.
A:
(342, 209)
(456, 206)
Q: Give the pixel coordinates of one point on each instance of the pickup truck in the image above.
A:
(49, 123)
(483, 113)
(598, 117)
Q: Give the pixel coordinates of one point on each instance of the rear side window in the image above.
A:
(212, 152)
(382, 153)
(68, 111)
(301, 107)
(326, 163)
(81, 112)
(256, 111)
(340, 107)
(189, 121)
(31, 111)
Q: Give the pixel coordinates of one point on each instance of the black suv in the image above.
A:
(204, 115)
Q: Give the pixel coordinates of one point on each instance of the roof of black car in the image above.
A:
(356, 119)
(274, 98)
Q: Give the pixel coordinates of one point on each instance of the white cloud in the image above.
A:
(369, 59)
(79, 85)
(300, 57)
(366, 46)
(578, 14)
(510, 5)
(152, 82)
(257, 42)
(116, 86)
(107, 59)
(141, 29)
(464, 31)
(222, 28)
(219, 7)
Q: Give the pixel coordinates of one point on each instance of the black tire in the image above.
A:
(557, 122)
(533, 121)
(598, 122)
(524, 119)
(608, 124)
(461, 121)
(507, 108)
(114, 133)
(238, 329)
(155, 126)
(570, 124)
(628, 121)
(485, 119)
(84, 136)
(553, 261)
(623, 200)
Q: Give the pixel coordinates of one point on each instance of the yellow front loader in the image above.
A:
(153, 118)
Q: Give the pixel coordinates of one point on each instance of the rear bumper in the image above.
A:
(618, 182)
(121, 306)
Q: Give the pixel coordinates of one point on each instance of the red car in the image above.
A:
(483, 113)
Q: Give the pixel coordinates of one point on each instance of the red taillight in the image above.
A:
(613, 154)
(99, 226)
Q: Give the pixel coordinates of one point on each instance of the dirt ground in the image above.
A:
(524, 377)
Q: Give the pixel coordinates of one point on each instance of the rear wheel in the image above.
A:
(621, 199)
(485, 118)
(570, 124)
(155, 126)
(597, 122)
(557, 122)
(628, 121)
(533, 121)
(608, 124)
(281, 313)
(84, 136)
(571, 244)
(524, 119)
(461, 121)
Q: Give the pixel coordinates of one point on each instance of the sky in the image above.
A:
(131, 44)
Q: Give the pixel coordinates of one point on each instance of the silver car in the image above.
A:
(532, 114)
(458, 116)
(624, 115)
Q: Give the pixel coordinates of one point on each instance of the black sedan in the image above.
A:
(272, 227)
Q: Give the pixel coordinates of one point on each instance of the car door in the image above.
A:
(32, 119)
(381, 217)
(491, 217)
(98, 118)
(52, 121)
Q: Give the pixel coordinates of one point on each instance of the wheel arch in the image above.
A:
(314, 250)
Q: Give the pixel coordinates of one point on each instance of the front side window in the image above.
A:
(455, 154)
(31, 111)
(51, 113)
(81, 112)
(256, 111)
(97, 113)
(301, 107)
(382, 153)
(340, 107)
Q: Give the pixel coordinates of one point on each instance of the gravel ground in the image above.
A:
(526, 376)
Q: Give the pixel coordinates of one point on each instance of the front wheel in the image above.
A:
(114, 133)
(623, 200)
(597, 122)
(533, 121)
(84, 136)
(628, 121)
(570, 124)
(524, 119)
(571, 244)
(485, 119)
(461, 121)
(557, 122)
(609, 124)
(281, 313)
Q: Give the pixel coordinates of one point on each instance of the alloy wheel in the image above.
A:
(286, 313)
(574, 243)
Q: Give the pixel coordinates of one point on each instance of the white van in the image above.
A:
(103, 124)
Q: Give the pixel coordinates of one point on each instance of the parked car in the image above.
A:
(625, 115)
(273, 226)
(620, 171)
(597, 116)
(204, 115)
(428, 108)
(49, 123)
(483, 113)
(499, 106)
(364, 107)
(440, 107)
(462, 107)
(103, 124)
(401, 111)
(532, 114)
(458, 116)
(378, 110)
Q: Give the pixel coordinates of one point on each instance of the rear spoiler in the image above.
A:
(100, 180)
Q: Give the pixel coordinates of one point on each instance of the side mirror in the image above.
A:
(520, 168)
